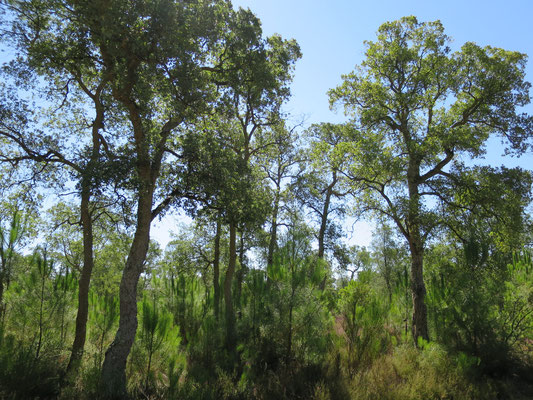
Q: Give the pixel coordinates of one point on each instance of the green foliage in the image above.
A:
(41, 305)
(414, 107)
(286, 324)
(202, 92)
(516, 312)
(24, 376)
(38, 323)
(363, 315)
(9, 239)
(482, 308)
(103, 317)
(157, 349)
(430, 373)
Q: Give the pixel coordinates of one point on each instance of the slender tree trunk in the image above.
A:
(2, 307)
(87, 227)
(240, 274)
(83, 284)
(41, 312)
(216, 269)
(289, 334)
(113, 378)
(274, 229)
(230, 312)
(386, 270)
(323, 226)
(325, 215)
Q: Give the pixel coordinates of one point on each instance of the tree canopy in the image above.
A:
(415, 106)
(115, 114)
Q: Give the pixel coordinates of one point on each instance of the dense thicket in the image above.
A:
(118, 113)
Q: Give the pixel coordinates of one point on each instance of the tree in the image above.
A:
(279, 163)
(252, 103)
(255, 74)
(157, 55)
(416, 106)
(319, 188)
(51, 45)
(9, 240)
(152, 61)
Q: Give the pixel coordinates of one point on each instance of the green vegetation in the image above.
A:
(149, 108)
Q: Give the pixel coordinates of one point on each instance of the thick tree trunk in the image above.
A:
(216, 269)
(113, 378)
(83, 285)
(419, 326)
(324, 225)
(230, 312)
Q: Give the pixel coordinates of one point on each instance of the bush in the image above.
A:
(420, 374)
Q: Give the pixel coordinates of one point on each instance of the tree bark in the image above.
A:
(323, 224)
(274, 229)
(216, 269)
(2, 307)
(83, 284)
(240, 273)
(325, 214)
(230, 312)
(88, 239)
(419, 325)
(113, 378)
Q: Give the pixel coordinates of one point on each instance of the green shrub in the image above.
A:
(420, 374)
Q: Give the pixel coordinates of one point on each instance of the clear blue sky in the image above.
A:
(331, 35)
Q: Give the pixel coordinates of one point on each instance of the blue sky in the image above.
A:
(331, 35)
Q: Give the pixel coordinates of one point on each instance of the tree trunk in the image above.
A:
(87, 227)
(2, 307)
(419, 326)
(288, 356)
(323, 226)
(240, 275)
(113, 378)
(325, 215)
(273, 230)
(216, 269)
(387, 270)
(83, 284)
(230, 313)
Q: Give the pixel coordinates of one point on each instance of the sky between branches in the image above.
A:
(331, 36)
